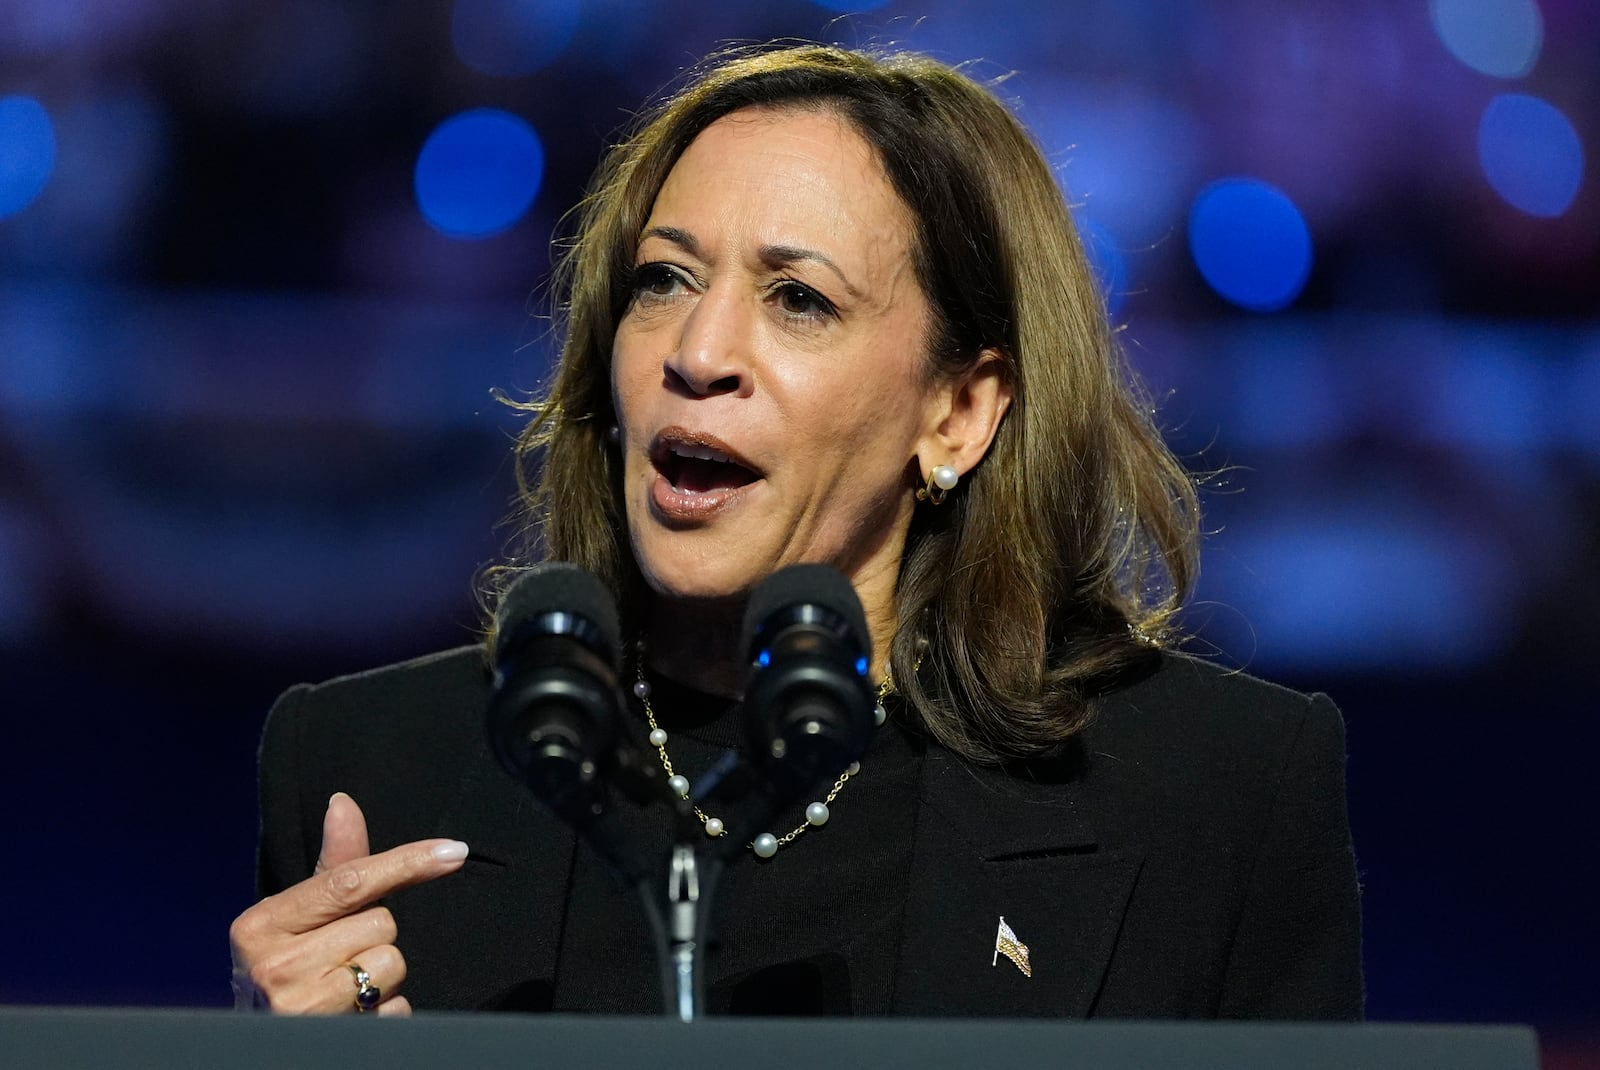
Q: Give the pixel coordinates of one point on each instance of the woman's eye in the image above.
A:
(799, 300)
(656, 280)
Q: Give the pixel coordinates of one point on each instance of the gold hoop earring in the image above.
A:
(941, 481)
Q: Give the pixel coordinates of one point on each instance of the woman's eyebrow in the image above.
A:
(677, 236)
(772, 256)
(779, 256)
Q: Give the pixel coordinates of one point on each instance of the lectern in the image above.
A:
(162, 1040)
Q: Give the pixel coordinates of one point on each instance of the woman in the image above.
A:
(827, 307)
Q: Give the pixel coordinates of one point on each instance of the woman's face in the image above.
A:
(768, 373)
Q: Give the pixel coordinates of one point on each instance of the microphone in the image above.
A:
(808, 706)
(554, 719)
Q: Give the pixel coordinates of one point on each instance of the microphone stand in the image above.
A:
(677, 897)
(678, 905)
(678, 902)
(676, 894)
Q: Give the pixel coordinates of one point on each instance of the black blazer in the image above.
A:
(1189, 857)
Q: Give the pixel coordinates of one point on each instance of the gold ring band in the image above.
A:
(367, 993)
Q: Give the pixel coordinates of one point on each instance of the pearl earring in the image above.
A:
(613, 434)
(941, 481)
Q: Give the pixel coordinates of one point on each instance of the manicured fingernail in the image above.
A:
(335, 795)
(450, 851)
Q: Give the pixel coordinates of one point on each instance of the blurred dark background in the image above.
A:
(261, 264)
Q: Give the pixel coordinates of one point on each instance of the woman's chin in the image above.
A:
(698, 579)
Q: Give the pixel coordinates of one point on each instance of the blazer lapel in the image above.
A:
(497, 922)
(989, 844)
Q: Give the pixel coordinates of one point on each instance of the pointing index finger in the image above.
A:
(348, 887)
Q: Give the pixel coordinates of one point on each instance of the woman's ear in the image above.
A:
(965, 414)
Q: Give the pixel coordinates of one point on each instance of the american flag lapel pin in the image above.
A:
(1007, 944)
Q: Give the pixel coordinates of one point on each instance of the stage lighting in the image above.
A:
(478, 173)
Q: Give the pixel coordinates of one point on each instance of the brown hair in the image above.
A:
(1063, 556)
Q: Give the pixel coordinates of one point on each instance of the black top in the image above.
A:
(1187, 856)
(780, 943)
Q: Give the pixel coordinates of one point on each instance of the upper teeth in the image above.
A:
(704, 453)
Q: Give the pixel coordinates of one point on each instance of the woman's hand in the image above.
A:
(292, 951)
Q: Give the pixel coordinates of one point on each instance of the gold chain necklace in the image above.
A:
(766, 844)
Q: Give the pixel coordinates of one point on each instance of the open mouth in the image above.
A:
(696, 464)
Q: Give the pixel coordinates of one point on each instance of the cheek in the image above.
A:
(872, 414)
(630, 378)
(628, 393)
(859, 448)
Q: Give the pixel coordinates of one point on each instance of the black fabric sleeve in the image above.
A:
(284, 856)
(1297, 951)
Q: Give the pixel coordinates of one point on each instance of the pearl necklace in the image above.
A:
(766, 844)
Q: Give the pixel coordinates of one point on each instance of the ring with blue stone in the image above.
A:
(367, 993)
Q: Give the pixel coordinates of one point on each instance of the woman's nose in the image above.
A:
(713, 351)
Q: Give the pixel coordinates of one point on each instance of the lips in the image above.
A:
(698, 463)
(697, 474)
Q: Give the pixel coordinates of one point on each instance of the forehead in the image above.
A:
(780, 175)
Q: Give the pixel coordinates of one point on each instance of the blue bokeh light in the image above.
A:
(27, 152)
(1500, 38)
(1250, 243)
(512, 38)
(478, 173)
(1530, 153)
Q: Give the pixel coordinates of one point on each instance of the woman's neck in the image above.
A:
(696, 643)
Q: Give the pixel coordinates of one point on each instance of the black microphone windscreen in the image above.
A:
(558, 587)
(817, 585)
